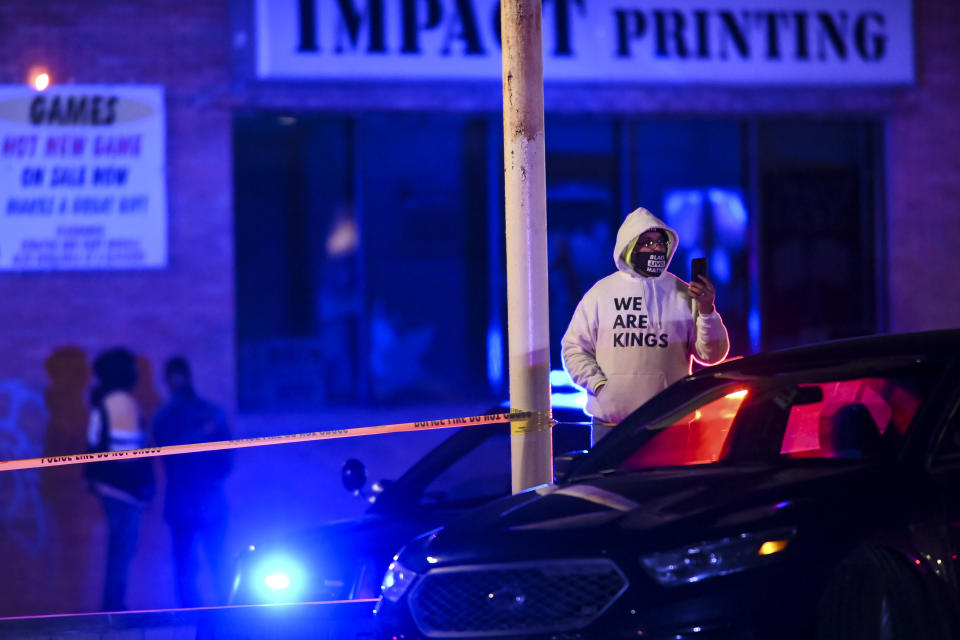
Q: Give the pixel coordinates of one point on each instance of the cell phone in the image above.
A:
(698, 267)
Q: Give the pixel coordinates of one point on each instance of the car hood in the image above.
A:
(366, 535)
(657, 508)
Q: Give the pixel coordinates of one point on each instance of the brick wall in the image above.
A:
(923, 175)
(187, 307)
(53, 323)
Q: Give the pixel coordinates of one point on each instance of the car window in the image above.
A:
(695, 438)
(764, 419)
(482, 474)
(852, 417)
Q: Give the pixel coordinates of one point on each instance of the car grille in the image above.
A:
(530, 597)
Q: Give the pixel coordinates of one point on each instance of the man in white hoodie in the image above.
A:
(635, 331)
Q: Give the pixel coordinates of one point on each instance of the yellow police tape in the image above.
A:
(522, 422)
(530, 421)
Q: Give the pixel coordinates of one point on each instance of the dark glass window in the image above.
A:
(369, 248)
(820, 418)
(362, 258)
(463, 482)
(817, 231)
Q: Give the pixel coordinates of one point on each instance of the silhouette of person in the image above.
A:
(124, 487)
(195, 506)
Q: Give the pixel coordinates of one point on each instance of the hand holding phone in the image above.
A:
(698, 267)
(700, 290)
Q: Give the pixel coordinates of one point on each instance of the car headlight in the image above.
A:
(396, 581)
(279, 579)
(697, 562)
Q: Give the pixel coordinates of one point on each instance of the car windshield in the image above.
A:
(470, 467)
(754, 419)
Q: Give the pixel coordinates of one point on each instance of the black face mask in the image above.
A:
(649, 264)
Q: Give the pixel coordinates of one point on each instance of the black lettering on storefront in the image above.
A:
(834, 30)
(670, 27)
(703, 34)
(871, 44)
(352, 21)
(561, 26)
(744, 34)
(800, 35)
(630, 24)
(771, 21)
(733, 31)
(412, 23)
(307, 15)
(468, 31)
(73, 110)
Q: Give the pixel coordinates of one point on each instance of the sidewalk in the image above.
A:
(315, 621)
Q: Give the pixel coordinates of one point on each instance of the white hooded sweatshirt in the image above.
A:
(634, 335)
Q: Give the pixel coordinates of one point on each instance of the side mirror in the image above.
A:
(354, 475)
(564, 462)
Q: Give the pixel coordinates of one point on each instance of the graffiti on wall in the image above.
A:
(21, 509)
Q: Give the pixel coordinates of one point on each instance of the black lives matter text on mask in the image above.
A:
(629, 316)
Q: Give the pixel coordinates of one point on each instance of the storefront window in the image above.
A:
(370, 266)
(817, 260)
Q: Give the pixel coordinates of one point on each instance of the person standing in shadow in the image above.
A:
(124, 487)
(195, 507)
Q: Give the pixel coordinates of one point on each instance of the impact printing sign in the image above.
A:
(742, 42)
(82, 178)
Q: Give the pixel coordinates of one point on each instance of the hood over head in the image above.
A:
(637, 222)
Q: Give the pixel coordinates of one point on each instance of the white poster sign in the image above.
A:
(742, 42)
(82, 178)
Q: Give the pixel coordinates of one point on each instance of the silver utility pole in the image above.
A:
(528, 331)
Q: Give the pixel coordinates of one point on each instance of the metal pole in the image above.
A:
(528, 332)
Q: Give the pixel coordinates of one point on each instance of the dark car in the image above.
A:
(346, 560)
(806, 493)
